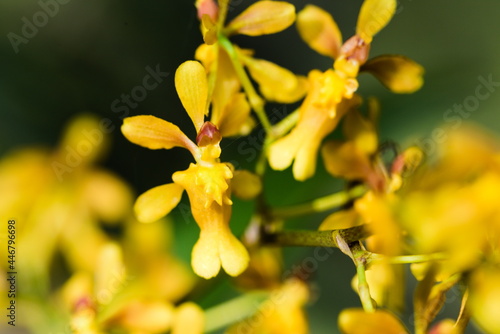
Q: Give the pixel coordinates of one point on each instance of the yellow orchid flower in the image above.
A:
(314, 124)
(207, 182)
(355, 158)
(329, 89)
(276, 83)
(318, 29)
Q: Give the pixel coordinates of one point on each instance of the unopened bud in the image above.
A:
(208, 135)
(355, 48)
(207, 7)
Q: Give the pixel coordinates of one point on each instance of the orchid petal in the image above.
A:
(157, 202)
(373, 16)
(318, 29)
(192, 88)
(398, 73)
(154, 133)
(262, 18)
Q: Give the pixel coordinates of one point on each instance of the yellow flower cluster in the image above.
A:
(116, 272)
(331, 94)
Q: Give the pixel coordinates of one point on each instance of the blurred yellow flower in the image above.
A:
(358, 321)
(282, 313)
(314, 124)
(130, 296)
(59, 201)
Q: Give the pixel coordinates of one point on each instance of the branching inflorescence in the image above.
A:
(391, 212)
(440, 215)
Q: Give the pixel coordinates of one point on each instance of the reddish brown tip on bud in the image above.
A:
(207, 7)
(208, 135)
(356, 48)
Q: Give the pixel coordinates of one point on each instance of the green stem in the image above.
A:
(278, 131)
(361, 257)
(232, 311)
(286, 124)
(316, 238)
(320, 204)
(255, 100)
(260, 166)
(363, 288)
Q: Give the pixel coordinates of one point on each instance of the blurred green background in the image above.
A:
(91, 52)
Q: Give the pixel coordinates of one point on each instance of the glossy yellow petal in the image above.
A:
(289, 95)
(361, 131)
(205, 256)
(157, 202)
(208, 30)
(373, 16)
(376, 210)
(318, 29)
(340, 220)
(235, 116)
(345, 160)
(357, 321)
(189, 319)
(319, 115)
(192, 88)
(207, 55)
(155, 133)
(217, 247)
(246, 185)
(230, 109)
(234, 256)
(398, 73)
(263, 17)
(275, 82)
